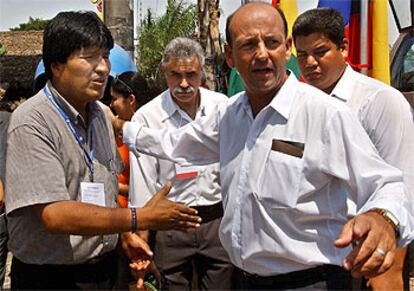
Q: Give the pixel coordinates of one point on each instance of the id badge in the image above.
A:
(93, 193)
(185, 172)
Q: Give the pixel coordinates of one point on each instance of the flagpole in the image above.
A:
(364, 35)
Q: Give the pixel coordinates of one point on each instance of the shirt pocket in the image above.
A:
(281, 176)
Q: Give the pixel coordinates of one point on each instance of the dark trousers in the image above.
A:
(325, 277)
(99, 274)
(176, 252)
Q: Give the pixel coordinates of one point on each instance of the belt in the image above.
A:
(291, 279)
(210, 212)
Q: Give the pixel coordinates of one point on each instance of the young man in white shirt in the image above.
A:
(386, 116)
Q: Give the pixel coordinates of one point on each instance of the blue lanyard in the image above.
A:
(89, 154)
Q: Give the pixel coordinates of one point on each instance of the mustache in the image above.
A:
(187, 90)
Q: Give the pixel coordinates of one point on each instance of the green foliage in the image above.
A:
(32, 24)
(178, 20)
(2, 49)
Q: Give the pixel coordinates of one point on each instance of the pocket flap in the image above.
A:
(288, 147)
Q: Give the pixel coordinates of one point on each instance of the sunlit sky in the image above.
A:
(14, 12)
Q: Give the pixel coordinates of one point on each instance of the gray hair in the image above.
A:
(182, 47)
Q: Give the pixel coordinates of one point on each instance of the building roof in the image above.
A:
(22, 43)
(18, 64)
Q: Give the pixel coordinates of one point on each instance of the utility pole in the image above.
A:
(119, 18)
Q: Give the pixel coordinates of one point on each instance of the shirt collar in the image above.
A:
(283, 101)
(70, 111)
(342, 89)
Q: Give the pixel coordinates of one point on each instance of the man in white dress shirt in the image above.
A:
(175, 252)
(383, 111)
(291, 163)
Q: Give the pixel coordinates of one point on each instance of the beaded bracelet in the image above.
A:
(133, 219)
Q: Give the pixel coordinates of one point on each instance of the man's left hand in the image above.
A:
(140, 255)
(375, 246)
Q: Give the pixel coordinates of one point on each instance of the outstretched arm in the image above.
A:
(73, 217)
(197, 143)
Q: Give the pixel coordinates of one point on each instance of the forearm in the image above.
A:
(183, 145)
(73, 217)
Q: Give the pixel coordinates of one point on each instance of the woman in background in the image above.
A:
(129, 91)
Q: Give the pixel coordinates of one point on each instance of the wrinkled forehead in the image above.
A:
(184, 64)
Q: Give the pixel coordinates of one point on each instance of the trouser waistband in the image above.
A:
(210, 212)
(311, 275)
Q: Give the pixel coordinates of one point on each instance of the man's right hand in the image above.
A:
(117, 124)
(162, 214)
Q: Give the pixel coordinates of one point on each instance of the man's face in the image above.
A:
(320, 61)
(259, 49)
(83, 77)
(184, 79)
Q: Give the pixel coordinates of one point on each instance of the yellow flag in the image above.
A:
(290, 9)
(380, 51)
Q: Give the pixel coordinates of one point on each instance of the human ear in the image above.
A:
(229, 55)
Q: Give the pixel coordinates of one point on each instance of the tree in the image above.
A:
(32, 24)
(155, 33)
(208, 18)
(119, 18)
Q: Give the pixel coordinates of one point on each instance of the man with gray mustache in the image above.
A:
(176, 252)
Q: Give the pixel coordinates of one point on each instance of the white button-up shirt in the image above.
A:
(149, 174)
(386, 116)
(282, 213)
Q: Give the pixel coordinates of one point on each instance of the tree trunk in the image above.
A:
(119, 18)
(208, 17)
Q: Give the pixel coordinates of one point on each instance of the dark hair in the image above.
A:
(325, 20)
(71, 31)
(230, 18)
(129, 83)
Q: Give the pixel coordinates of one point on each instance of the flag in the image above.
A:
(290, 9)
(351, 12)
(378, 44)
(377, 50)
(99, 7)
